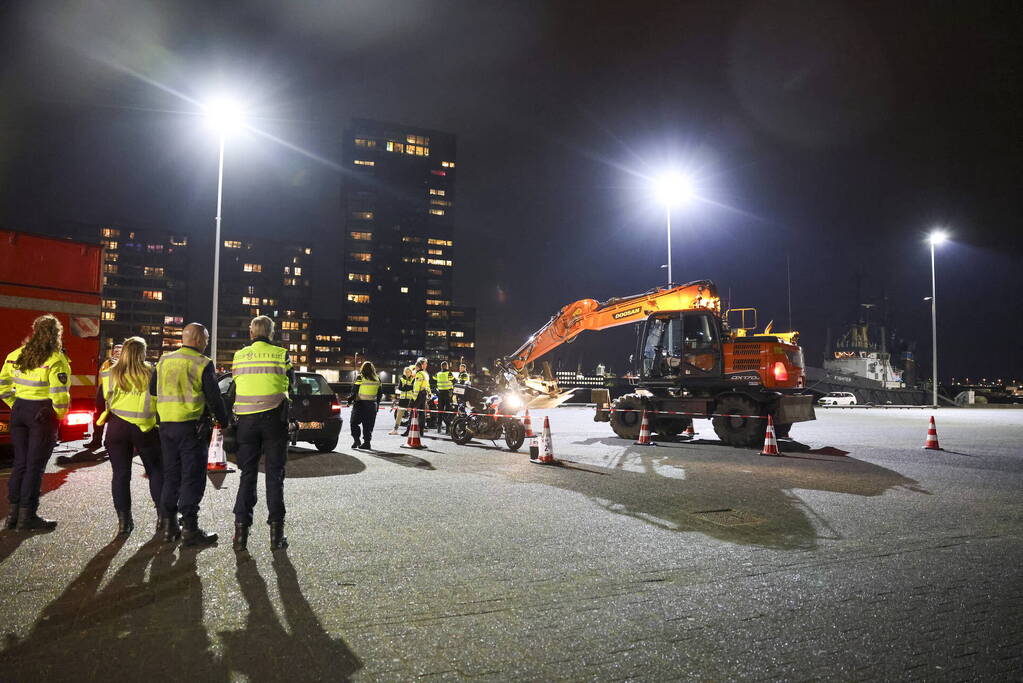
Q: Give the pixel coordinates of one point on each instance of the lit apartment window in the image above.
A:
(393, 146)
(109, 303)
(447, 164)
(439, 262)
(361, 235)
(250, 300)
(440, 243)
(417, 139)
(154, 247)
(110, 268)
(173, 320)
(456, 333)
(289, 325)
(437, 193)
(152, 271)
(155, 295)
(464, 345)
(366, 144)
(111, 245)
(111, 232)
(437, 302)
(360, 277)
(298, 271)
(436, 333)
(409, 238)
(322, 349)
(363, 215)
(308, 250)
(290, 282)
(356, 328)
(435, 252)
(179, 241)
(437, 212)
(111, 257)
(253, 268)
(361, 256)
(440, 202)
(434, 271)
(232, 244)
(269, 302)
(365, 162)
(358, 298)
(436, 314)
(109, 315)
(357, 319)
(417, 150)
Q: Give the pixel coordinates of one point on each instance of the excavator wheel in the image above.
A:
(741, 432)
(626, 416)
(671, 426)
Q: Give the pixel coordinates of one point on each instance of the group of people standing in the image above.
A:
(165, 413)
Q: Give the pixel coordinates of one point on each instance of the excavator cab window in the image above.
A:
(681, 345)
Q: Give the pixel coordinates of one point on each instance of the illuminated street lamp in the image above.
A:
(935, 238)
(225, 116)
(672, 189)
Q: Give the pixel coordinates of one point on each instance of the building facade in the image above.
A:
(398, 207)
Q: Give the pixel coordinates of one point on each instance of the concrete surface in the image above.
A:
(857, 556)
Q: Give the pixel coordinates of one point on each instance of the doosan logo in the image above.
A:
(626, 313)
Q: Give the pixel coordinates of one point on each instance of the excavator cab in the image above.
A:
(679, 345)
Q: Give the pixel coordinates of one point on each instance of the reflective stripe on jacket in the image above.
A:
(445, 380)
(136, 407)
(260, 373)
(368, 389)
(463, 378)
(51, 381)
(179, 396)
(405, 385)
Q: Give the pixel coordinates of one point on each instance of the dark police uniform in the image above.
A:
(365, 400)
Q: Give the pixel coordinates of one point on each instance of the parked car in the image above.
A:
(315, 411)
(838, 398)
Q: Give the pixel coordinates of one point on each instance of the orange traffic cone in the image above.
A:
(932, 438)
(413, 432)
(546, 456)
(644, 433)
(528, 424)
(770, 441)
(689, 433)
(216, 460)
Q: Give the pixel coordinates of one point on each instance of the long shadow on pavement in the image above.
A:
(269, 650)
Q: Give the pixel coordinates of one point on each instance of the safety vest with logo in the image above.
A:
(179, 396)
(260, 373)
(445, 381)
(463, 378)
(49, 381)
(421, 382)
(368, 389)
(405, 387)
(136, 407)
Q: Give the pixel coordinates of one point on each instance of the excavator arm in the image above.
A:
(590, 314)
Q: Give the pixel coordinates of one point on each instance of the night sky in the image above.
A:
(831, 134)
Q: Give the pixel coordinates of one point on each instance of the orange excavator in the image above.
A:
(688, 359)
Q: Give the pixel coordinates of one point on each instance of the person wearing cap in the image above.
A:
(35, 383)
(262, 375)
(186, 392)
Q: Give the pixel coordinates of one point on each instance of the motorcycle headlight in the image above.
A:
(513, 401)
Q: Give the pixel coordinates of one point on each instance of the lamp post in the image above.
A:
(672, 188)
(225, 116)
(935, 238)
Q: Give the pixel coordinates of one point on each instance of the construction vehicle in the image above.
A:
(43, 275)
(688, 360)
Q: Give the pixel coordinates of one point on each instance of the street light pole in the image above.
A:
(934, 331)
(216, 253)
(667, 208)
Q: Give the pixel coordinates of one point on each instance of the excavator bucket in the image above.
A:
(546, 401)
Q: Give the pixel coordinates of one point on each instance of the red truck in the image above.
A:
(43, 275)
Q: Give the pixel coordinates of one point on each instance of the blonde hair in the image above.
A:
(368, 371)
(262, 326)
(131, 372)
(45, 341)
(409, 370)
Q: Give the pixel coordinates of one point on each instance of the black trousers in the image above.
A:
(33, 433)
(445, 405)
(262, 434)
(364, 415)
(184, 454)
(122, 439)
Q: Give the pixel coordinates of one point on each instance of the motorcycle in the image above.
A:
(487, 417)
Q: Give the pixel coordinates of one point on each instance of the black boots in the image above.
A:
(28, 520)
(170, 528)
(191, 534)
(12, 518)
(277, 538)
(241, 536)
(125, 523)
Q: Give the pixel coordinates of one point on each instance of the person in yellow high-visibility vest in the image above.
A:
(365, 401)
(129, 414)
(420, 392)
(463, 374)
(97, 429)
(262, 376)
(34, 382)
(445, 385)
(404, 391)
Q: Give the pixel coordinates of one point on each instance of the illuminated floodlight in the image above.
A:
(225, 115)
(937, 237)
(674, 188)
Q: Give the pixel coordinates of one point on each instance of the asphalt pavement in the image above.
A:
(856, 556)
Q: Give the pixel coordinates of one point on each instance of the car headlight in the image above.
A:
(512, 401)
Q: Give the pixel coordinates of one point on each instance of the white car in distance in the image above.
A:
(838, 398)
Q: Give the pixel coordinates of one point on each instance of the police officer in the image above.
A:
(97, 431)
(420, 391)
(463, 374)
(129, 413)
(365, 401)
(34, 382)
(445, 385)
(185, 388)
(262, 375)
(404, 393)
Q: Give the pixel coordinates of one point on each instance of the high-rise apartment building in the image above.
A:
(264, 277)
(398, 205)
